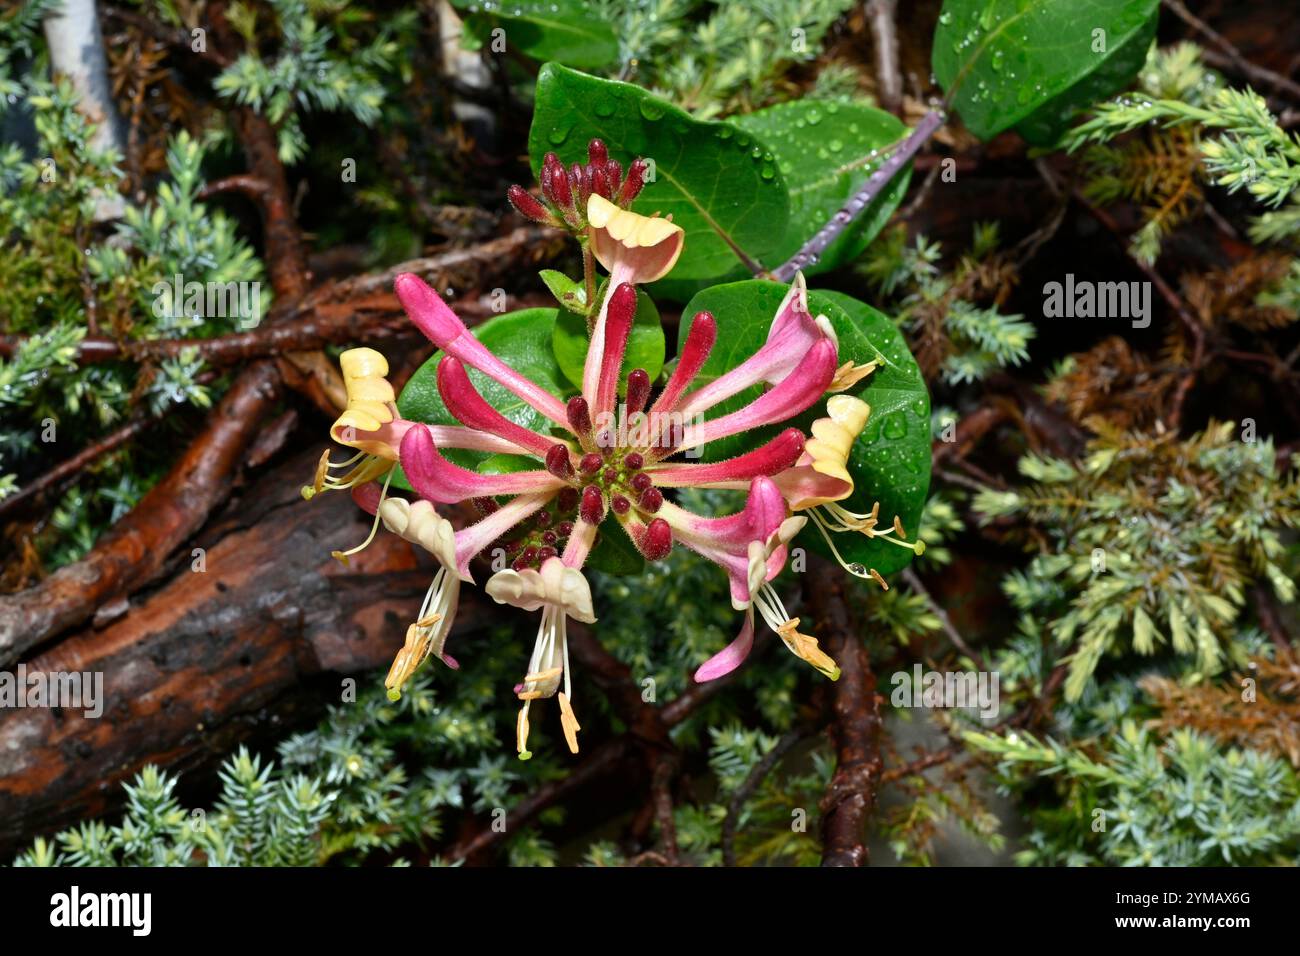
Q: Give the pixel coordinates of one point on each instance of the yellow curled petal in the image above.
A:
(639, 248)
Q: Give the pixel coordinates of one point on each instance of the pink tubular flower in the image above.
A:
(598, 458)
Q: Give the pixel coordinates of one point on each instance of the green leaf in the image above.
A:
(614, 552)
(645, 343)
(567, 31)
(520, 339)
(1033, 63)
(825, 151)
(569, 293)
(717, 182)
(890, 461)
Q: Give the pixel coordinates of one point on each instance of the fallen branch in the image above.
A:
(851, 797)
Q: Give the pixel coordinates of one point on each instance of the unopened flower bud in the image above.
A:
(651, 500)
(557, 462)
(638, 390)
(620, 504)
(528, 205)
(592, 509)
(657, 541)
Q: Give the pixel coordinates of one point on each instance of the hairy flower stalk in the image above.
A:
(611, 455)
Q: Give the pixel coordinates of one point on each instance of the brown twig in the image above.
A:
(884, 39)
(1257, 73)
(71, 467)
(136, 548)
(855, 730)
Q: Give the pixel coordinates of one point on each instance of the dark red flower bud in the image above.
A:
(632, 186)
(545, 554)
(600, 181)
(614, 170)
(633, 461)
(590, 463)
(592, 509)
(651, 500)
(549, 537)
(485, 506)
(657, 541)
(579, 415)
(543, 519)
(567, 499)
(611, 475)
(528, 205)
(597, 154)
(620, 504)
(564, 528)
(638, 390)
(640, 482)
(561, 192)
(558, 464)
(580, 183)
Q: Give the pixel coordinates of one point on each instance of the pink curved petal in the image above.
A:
(605, 352)
(465, 402)
(438, 480)
(801, 484)
(793, 333)
(776, 456)
(445, 330)
(796, 392)
(695, 351)
(731, 656)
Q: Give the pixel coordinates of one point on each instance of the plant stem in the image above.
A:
(589, 277)
(859, 201)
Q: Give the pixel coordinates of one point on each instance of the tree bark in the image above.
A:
(258, 639)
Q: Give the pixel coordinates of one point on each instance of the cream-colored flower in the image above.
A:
(554, 585)
(632, 248)
(370, 404)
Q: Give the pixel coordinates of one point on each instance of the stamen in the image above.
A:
(374, 527)
(521, 732)
(568, 722)
(543, 675)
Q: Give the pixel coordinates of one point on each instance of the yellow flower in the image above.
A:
(632, 248)
(370, 404)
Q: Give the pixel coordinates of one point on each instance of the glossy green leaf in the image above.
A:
(567, 31)
(717, 182)
(1032, 64)
(614, 552)
(645, 344)
(890, 462)
(825, 151)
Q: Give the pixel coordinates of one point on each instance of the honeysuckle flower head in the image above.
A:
(609, 456)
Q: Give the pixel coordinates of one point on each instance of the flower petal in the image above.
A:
(731, 656)
(605, 351)
(777, 455)
(435, 478)
(635, 248)
(796, 392)
(445, 329)
(793, 333)
(695, 351)
(467, 405)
